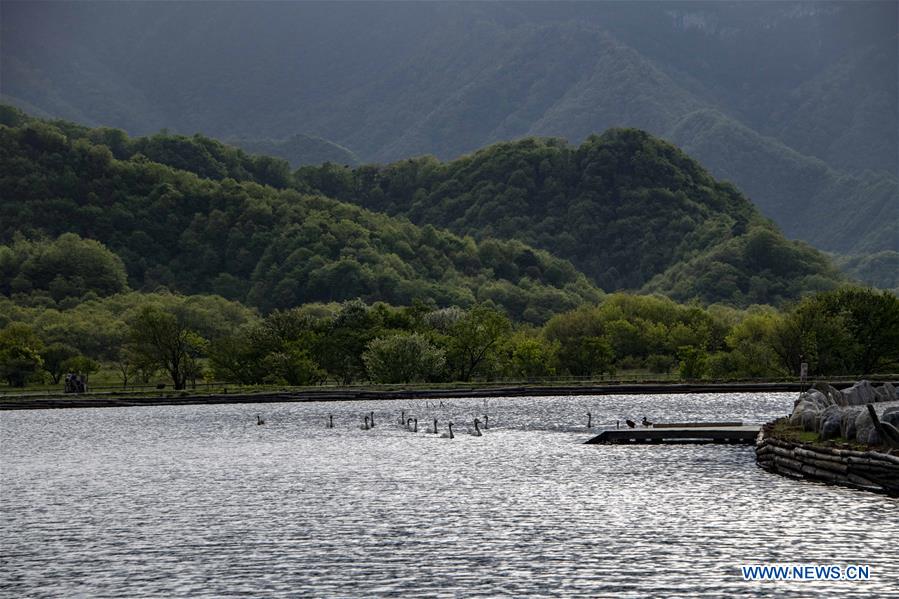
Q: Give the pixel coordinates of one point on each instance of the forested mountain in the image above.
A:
(197, 216)
(796, 103)
(624, 207)
(267, 247)
(205, 157)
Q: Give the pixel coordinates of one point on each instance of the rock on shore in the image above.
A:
(832, 413)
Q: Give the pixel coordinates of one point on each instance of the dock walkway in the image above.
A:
(685, 434)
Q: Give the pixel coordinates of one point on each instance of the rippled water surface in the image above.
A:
(194, 501)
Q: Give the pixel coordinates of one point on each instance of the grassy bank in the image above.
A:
(784, 431)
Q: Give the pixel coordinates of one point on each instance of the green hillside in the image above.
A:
(758, 267)
(267, 247)
(205, 157)
(624, 207)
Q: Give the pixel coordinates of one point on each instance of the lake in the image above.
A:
(199, 501)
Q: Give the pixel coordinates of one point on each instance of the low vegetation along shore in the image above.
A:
(138, 339)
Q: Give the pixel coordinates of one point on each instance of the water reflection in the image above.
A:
(200, 501)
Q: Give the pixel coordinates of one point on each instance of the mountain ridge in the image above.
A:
(394, 81)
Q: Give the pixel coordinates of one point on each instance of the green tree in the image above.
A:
(55, 357)
(589, 356)
(474, 341)
(809, 334)
(872, 317)
(344, 340)
(125, 365)
(276, 350)
(20, 354)
(82, 365)
(752, 353)
(292, 366)
(532, 356)
(693, 362)
(583, 349)
(66, 267)
(403, 358)
(236, 360)
(162, 339)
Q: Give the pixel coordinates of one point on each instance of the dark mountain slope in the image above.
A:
(846, 115)
(389, 81)
(879, 270)
(832, 210)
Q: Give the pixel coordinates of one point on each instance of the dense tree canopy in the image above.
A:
(623, 207)
(246, 241)
(760, 267)
(20, 354)
(68, 267)
(206, 157)
(403, 358)
(851, 331)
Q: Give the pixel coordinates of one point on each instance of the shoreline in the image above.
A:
(870, 470)
(361, 394)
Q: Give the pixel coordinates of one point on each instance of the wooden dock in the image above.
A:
(687, 433)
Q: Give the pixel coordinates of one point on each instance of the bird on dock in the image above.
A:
(646, 422)
(372, 419)
(448, 435)
(477, 431)
(630, 423)
(259, 419)
(365, 426)
(589, 420)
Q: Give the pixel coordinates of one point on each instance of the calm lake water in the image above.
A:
(199, 501)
